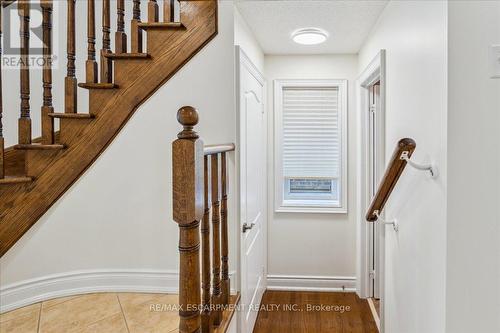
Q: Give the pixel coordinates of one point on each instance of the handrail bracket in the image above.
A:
(423, 167)
(394, 222)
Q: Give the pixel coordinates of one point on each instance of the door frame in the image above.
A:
(374, 72)
(241, 59)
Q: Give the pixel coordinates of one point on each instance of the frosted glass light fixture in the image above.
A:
(309, 36)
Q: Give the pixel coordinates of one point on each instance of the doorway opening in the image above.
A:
(371, 102)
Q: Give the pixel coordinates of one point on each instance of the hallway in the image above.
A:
(313, 312)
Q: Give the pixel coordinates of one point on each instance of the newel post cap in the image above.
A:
(188, 117)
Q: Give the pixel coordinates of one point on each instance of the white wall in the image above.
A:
(414, 35)
(244, 37)
(118, 216)
(473, 265)
(312, 245)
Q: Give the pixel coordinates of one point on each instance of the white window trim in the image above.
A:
(279, 204)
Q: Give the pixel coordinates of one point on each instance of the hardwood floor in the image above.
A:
(314, 312)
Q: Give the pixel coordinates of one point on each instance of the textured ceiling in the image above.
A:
(347, 22)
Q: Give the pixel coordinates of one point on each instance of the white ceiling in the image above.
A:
(348, 23)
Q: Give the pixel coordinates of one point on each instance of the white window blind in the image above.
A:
(311, 132)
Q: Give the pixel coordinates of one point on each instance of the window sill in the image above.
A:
(311, 210)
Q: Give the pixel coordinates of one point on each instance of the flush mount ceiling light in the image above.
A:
(309, 36)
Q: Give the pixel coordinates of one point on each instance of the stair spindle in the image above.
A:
(2, 142)
(187, 161)
(225, 285)
(217, 313)
(153, 11)
(24, 33)
(168, 11)
(70, 84)
(106, 63)
(206, 322)
(135, 31)
(120, 36)
(91, 63)
(47, 107)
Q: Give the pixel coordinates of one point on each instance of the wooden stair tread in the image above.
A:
(37, 146)
(15, 180)
(72, 115)
(97, 85)
(127, 55)
(161, 25)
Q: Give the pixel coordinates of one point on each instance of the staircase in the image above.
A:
(36, 172)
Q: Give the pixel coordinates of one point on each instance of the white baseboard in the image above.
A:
(27, 292)
(311, 283)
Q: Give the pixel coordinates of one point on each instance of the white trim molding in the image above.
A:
(32, 291)
(374, 72)
(311, 283)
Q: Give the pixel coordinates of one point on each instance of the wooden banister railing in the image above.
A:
(168, 11)
(106, 63)
(200, 194)
(91, 75)
(47, 107)
(98, 73)
(70, 99)
(120, 35)
(390, 179)
(135, 31)
(24, 126)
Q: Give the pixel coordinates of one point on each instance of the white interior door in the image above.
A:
(253, 189)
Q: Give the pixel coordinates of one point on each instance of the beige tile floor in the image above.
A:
(96, 313)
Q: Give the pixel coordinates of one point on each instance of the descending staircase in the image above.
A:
(36, 172)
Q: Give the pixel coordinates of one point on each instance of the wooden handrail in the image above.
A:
(217, 149)
(390, 179)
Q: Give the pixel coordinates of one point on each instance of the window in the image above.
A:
(311, 146)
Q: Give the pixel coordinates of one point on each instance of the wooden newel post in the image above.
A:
(188, 210)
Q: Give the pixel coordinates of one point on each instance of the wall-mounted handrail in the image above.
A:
(218, 149)
(391, 177)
